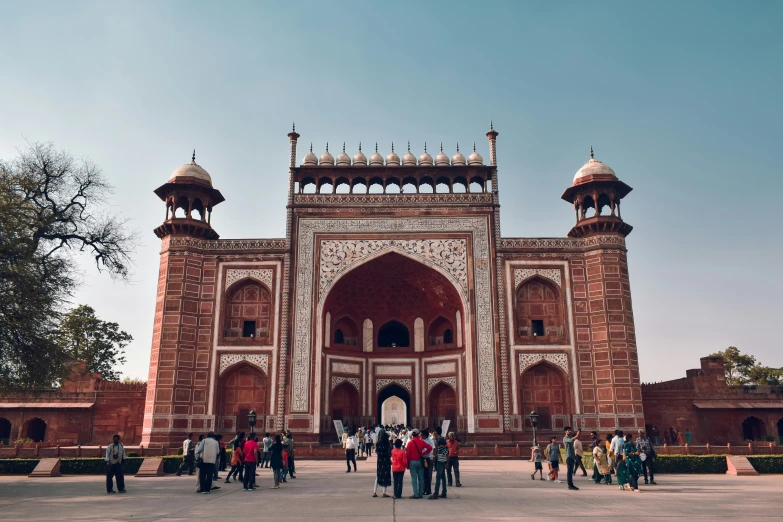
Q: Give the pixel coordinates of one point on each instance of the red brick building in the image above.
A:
(393, 295)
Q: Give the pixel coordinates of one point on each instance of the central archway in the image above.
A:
(394, 391)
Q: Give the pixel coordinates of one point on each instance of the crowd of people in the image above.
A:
(400, 448)
(618, 455)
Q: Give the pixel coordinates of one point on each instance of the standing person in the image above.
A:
(373, 441)
(688, 437)
(237, 459)
(633, 461)
(568, 442)
(441, 460)
(607, 446)
(415, 452)
(383, 466)
(221, 455)
(452, 442)
(616, 447)
(666, 438)
(578, 455)
(350, 451)
(289, 442)
(429, 463)
(276, 460)
(537, 458)
(115, 458)
(209, 449)
(646, 447)
(552, 453)
(197, 454)
(284, 471)
(602, 470)
(188, 456)
(267, 444)
(249, 450)
(399, 465)
(239, 442)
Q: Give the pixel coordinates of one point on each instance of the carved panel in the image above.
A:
(393, 370)
(451, 381)
(260, 360)
(337, 381)
(405, 383)
(339, 367)
(526, 360)
(553, 274)
(446, 367)
(263, 275)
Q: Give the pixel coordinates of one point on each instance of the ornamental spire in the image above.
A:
(591, 152)
(193, 159)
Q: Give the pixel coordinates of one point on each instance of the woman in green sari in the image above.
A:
(632, 461)
(601, 468)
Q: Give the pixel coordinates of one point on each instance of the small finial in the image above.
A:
(441, 147)
(193, 159)
(409, 145)
(392, 146)
(343, 147)
(294, 127)
(457, 146)
(360, 146)
(490, 125)
(311, 146)
(376, 146)
(474, 146)
(425, 146)
(591, 152)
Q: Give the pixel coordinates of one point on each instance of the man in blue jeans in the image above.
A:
(415, 450)
(568, 442)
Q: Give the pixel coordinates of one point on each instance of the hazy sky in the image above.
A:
(682, 99)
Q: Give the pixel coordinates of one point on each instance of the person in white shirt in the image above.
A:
(427, 437)
(350, 451)
(616, 446)
(373, 441)
(266, 457)
(188, 458)
(209, 451)
(115, 458)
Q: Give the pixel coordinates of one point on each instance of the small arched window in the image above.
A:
(339, 338)
(448, 337)
(393, 335)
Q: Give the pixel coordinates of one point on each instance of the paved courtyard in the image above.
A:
(492, 490)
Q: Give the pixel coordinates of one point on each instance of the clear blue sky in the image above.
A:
(682, 99)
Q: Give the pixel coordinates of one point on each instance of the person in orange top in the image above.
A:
(452, 442)
(237, 459)
(399, 465)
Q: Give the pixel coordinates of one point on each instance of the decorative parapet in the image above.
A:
(562, 243)
(343, 200)
(231, 245)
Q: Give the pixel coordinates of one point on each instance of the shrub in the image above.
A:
(131, 454)
(17, 466)
(690, 464)
(767, 463)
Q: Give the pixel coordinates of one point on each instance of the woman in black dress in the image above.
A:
(276, 459)
(383, 471)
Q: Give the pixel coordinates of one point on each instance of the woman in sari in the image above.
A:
(601, 468)
(633, 462)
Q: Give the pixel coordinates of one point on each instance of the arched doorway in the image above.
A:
(345, 404)
(36, 430)
(394, 411)
(544, 390)
(753, 428)
(242, 388)
(394, 390)
(5, 431)
(443, 405)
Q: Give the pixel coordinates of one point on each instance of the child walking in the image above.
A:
(441, 459)
(553, 454)
(537, 458)
(399, 465)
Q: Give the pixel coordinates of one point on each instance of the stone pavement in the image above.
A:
(492, 490)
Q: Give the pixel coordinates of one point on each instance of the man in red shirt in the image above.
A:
(251, 447)
(415, 451)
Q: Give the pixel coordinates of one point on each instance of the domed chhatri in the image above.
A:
(593, 170)
(343, 159)
(475, 158)
(458, 160)
(425, 160)
(376, 160)
(359, 159)
(441, 160)
(191, 172)
(327, 160)
(311, 160)
(392, 160)
(409, 160)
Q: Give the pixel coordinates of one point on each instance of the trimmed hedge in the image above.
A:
(767, 463)
(84, 466)
(690, 464)
(17, 466)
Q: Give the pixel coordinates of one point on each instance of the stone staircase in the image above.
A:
(739, 466)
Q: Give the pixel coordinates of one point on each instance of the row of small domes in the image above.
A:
(392, 160)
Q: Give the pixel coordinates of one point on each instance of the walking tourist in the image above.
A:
(373, 441)
(633, 461)
(537, 458)
(289, 443)
(416, 451)
(616, 446)
(188, 458)
(429, 464)
(602, 469)
(350, 451)
(221, 455)
(399, 465)
(250, 459)
(441, 460)
(647, 448)
(267, 442)
(578, 456)
(284, 471)
(115, 458)
(568, 442)
(209, 450)
(552, 453)
(452, 442)
(383, 466)
(197, 459)
(688, 437)
(276, 460)
(237, 459)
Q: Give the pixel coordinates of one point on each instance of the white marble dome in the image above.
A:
(458, 160)
(441, 160)
(425, 160)
(475, 158)
(310, 160)
(376, 160)
(359, 159)
(593, 168)
(326, 158)
(191, 170)
(343, 159)
(409, 160)
(392, 160)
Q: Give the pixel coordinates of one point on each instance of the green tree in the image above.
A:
(85, 337)
(743, 369)
(50, 211)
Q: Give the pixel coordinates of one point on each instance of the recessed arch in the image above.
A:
(247, 311)
(241, 388)
(753, 428)
(35, 429)
(393, 390)
(539, 311)
(5, 431)
(545, 389)
(394, 334)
